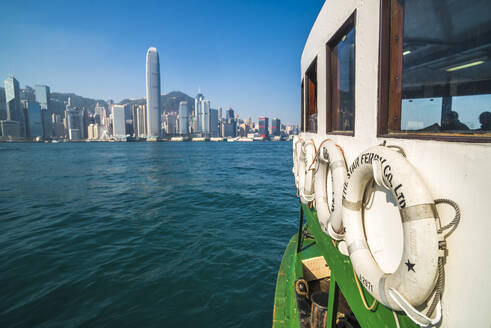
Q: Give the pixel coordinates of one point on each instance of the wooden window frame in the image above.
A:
(313, 65)
(349, 24)
(302, 118)
(390, 82)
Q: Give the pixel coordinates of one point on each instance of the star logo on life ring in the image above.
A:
(410, 266)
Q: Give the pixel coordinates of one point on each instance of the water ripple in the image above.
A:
(143, 234)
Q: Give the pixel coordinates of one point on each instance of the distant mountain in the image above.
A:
(170, 101)
(59, 100)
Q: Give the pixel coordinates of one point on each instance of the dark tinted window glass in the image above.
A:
(446, 71)
(302, 127)
(311, 78)
(343, 82)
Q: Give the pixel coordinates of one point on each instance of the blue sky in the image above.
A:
(243, 54)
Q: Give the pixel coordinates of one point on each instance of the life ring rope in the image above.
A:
(334, 164)
(371, 307)
(443, 247)
(317, 150)
(456, 220)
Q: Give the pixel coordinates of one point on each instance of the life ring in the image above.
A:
(414, 280)
(307, 193)
(297, 143)
(330, 157)
(300, 166)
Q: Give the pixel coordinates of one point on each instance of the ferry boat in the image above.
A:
(217, 139)
(245, 139)
(199, 139)
(179, 139)
(392, 169)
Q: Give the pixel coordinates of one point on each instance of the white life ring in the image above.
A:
(297, 143)
(330, 157)
(307, 193)
(414, 280)
(300, 167)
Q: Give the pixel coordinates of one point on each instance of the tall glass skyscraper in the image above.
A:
(3, 105)
(119, 120)
(183, 118)
(35, 124)
(214, 123)
(198, 112)
(74, 119)
(205, 117)
(264, 127)
(154, 117)
(14, 110)
(43, 95)
(276, 126)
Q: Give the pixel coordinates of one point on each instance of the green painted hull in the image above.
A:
(285, 312)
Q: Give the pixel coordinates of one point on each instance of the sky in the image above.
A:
(241, 54)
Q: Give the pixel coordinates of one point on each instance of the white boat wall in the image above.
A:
(453, 166)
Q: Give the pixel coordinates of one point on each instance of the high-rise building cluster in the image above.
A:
(207, 122)
(27, 114)
(203, 121)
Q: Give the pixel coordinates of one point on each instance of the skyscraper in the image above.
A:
(183, 118)
(154, 119)
(74, 118)
(276, 127)
(58, 127)
(263, 127)
(231, 120)
(171, 124)
(119, 120)
(142, 119)
(14, 110)
(134, 120)
(219, 114)
(214, 132)
(3, 105)
(34, 119)
(205, 117)
(43, 95)
(198, 112)
(100, 113)
(85, 123)
(230, 114)
(9, 129)
(27, 94)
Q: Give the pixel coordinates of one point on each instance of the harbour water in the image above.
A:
(143, 234)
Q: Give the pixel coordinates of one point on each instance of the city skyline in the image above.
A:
(80, 47)
(27, 114)
(44, 104)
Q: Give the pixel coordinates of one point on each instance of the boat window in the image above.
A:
(439, 69)
(341, 79)
(302, 105)
(311, 112)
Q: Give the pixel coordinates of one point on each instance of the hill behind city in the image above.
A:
(170, 101)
